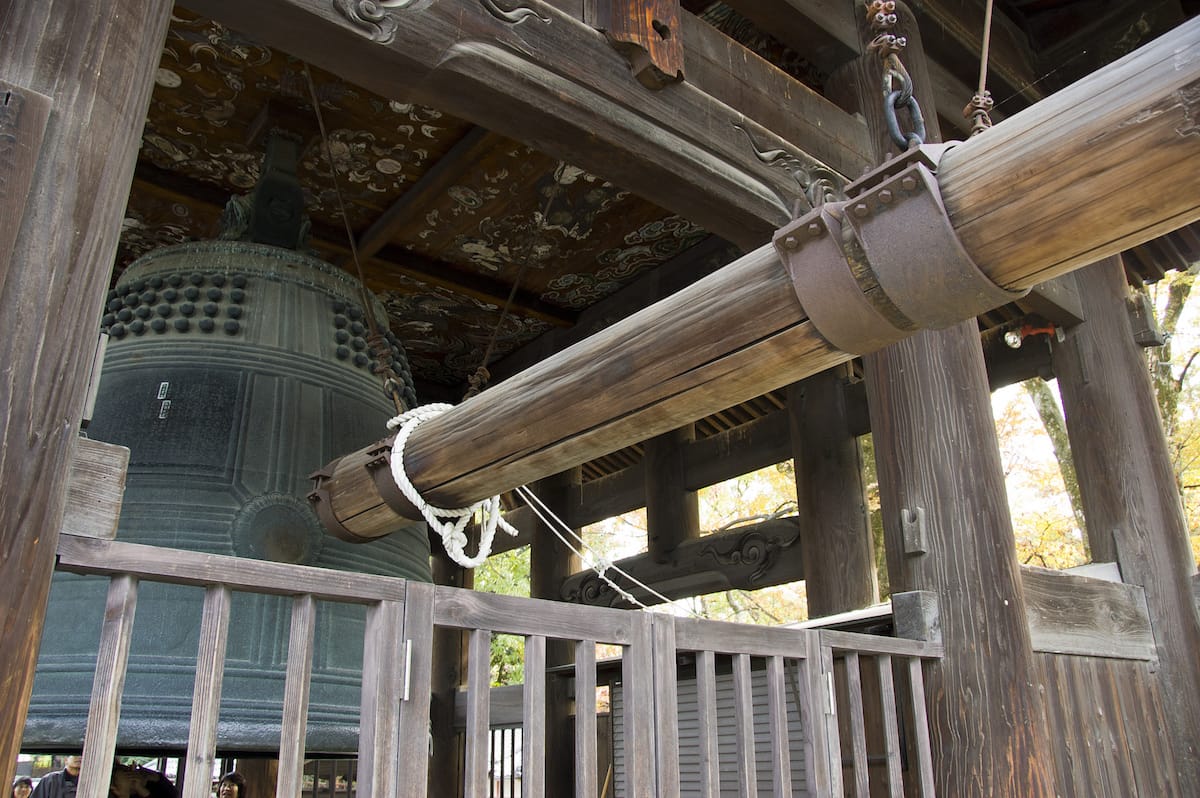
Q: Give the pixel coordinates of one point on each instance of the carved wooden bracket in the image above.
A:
(646, 32)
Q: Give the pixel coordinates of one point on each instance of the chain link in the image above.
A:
(897, 84)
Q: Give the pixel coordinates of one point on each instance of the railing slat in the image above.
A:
(585, 719)
(877, 644)
(637, 674)
(104, 713)
(781, 762)
(743, 721)
(695, 634)
(477, 766)
(295, 697)
(469, 609)
(706, 721)
(916, 681)
(379, 732)
(533, 729)
(413, 753)
(826, 762)
(891, 733)
(206, 695)
(666, 712)
(858, 731)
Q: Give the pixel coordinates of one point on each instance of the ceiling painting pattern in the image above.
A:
(509, 214)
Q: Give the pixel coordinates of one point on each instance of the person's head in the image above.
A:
(22, 786)
(232, 785)
(72, 764)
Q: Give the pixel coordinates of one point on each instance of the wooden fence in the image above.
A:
(393, 755)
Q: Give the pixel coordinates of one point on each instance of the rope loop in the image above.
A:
(452, 533)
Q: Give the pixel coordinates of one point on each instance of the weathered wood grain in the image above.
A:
(379, 724)
(295, 695)
(706, 724)
(891, 731)
(637, 674)
(180, 567)
(23, 116)
(468, 609)
(413, 751)
(920, 724)
(666, 713)
(672, 511)
(95, 489)
(477, 765)
(1070, 614)
(858, 731)
(743, 719)
(781, 764)
(831, 498)
(533, 711)
(694, 634)
(108, 684)
(206, 694)
(1131, 502)
(96, 62)
(585, 718)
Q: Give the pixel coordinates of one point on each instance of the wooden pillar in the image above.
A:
(672, 511)
(937, 457)
(449, 671)
(261, 777)
(1130, 499)
(550, 563)
(839, 555)
(91, 65)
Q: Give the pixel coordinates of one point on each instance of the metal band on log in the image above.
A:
(1103, 165)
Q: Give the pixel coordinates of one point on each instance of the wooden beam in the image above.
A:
(96, 489)
(476, 143)
(536, 75)
(746, 558)
(95, 60)
(742, 331)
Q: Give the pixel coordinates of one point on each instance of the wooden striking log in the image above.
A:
(742, 331)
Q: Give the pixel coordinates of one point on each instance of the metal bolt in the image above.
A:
(908, 182)
(791, 242)
(861, 210)
(885, 196)
(815, 230)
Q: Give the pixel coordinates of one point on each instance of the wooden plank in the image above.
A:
(1069, 614)
(666, 710)
(206, 694)
(467, 609)
(379, 734)
(706, 724)
(413, 751)
(637, 673)
(98, 70)
(108, 686)
(920, 721)
(295, 696)
(585, 719)
(672, 511)
(891, 731)
(781, 763)
(875, 644)
(477, 760)
(23, 116)
(85, 555)
(858, 730)
(743, 715)
(95, 489)
(695, 634)
(533, 725)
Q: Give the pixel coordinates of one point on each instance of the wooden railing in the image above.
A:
(397, 671)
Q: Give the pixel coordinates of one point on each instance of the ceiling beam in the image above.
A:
(537, 75)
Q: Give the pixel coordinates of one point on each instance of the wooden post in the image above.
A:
(672, 511)
(838, 553)
(449, 671)
(550, 563)
(95, 61)
(940, 473)
(1130, 499)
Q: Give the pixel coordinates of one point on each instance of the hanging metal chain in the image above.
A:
(981, 102)
(897, 84)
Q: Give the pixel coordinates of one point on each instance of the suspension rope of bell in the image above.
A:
(377, 343)
(981, 104)
(479, 379)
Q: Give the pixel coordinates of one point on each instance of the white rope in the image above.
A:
(454, 539)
